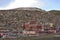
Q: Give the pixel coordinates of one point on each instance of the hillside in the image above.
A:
(14, 18)
(56, 12)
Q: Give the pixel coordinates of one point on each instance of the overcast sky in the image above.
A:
(43, 4)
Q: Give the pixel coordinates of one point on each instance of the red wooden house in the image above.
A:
(31, 27)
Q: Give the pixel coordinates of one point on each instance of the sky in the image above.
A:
(42, 4)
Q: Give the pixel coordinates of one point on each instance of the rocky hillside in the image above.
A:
(16, 17)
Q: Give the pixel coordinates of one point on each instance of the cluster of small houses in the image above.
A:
(31, 28)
